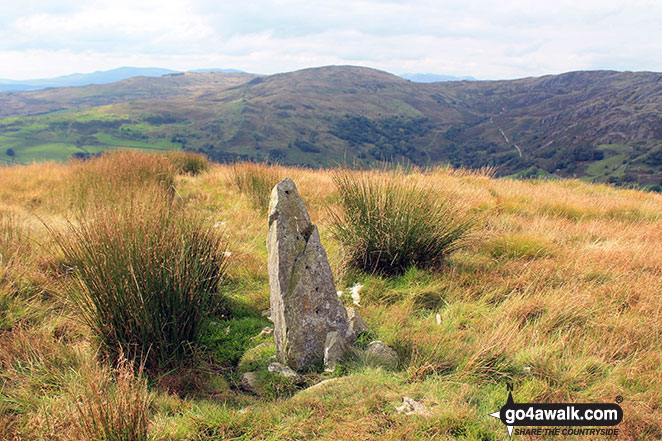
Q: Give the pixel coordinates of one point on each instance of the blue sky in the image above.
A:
(486, 39)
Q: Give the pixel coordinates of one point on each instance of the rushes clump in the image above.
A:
(146, 277)
(387, 224)
(256, 181)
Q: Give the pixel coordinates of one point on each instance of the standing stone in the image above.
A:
(304, 303)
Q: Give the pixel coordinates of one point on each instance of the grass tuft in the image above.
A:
(114, 177)
(256, 181)
(520, 245)
(13, 241)
(113, 407)
(188, 163)
(146, 275)
(388, 224)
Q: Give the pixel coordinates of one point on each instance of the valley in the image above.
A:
(602, 126)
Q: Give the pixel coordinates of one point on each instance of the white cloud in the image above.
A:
(477, 37)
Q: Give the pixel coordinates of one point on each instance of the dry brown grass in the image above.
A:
(256, 181)
(580, 322)
(118, 176)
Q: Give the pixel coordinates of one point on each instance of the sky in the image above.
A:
(485, 39)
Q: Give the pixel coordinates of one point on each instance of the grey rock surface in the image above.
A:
(356, 323)
(283, 371)
(335, 348)
(412, 407)
(380, 353)
(304, 303)
(249, 382)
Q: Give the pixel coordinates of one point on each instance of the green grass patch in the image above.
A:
(35, 150)
(519, 245)
(611, 164)
(227, 340)
(112, 140)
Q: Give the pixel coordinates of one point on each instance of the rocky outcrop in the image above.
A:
(304, 305)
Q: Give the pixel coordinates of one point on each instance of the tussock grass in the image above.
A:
(13, 240)
(35, 186)
(115, 177)
(387, 224)
(189, 163)
(14, 247)
(256, 181)
(146, 277)
(57, 392)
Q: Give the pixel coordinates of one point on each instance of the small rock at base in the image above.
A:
(267, 330)
(382, 353)
(249, 382)
(323, 383)
(334, 350)
(356, 322)
(412, 407)
(284, 371)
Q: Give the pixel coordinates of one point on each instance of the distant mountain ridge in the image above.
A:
(598, 125)
(123, 73)
(98, 77)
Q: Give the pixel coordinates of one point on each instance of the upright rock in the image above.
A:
(304, 304)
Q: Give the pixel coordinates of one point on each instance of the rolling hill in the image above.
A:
(597, 125)
(99, 77)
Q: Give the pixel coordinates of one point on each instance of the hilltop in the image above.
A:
(598, 125)
(98, 77)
